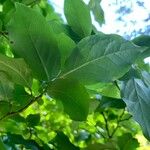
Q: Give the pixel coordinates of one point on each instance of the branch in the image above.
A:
(22, 109)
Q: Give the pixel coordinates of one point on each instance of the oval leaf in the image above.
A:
(78, 17)
(74, 97)
(136, 96)
(101, 58)
(38, 47)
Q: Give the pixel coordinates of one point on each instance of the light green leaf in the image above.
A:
(34, 40)
(101, 58)
(17, 70)
(74, 97)
(136, 96)
(97, 11)
(78, 17)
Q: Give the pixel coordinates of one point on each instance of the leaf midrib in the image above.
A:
(87, 63)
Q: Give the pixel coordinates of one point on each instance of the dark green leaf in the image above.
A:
(34, 40)
(63, 142)
(20, 98)
(74, 97)
(136, 96)
(144, 41)
(33, 120)
(101, 58)
(78, 17)
(107, 102)
(126, 141)
(13, 139)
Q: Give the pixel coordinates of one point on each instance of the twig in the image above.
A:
(106, 125)
(22, 109)
(118, 123)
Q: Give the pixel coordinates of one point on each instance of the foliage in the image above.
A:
(68, 86)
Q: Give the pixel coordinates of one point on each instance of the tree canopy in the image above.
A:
(67, 86)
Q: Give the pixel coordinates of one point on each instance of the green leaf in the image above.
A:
(78, 17)
(126, 141)
(34, 40)
(146, 78)
(63, 143)
(65, 45)
(107, 102)
(13, 139)
(97, 11)
(74, 97)
(98, 146)
(136, 96)
(2, 146)
(101, 58)
(20, 98)
(17, 70)
(4, 108)
(33, 120)
(144, 41)
(12, 97)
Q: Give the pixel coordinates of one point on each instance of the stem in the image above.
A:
(106, 125)
(118, 123)
(22, 109)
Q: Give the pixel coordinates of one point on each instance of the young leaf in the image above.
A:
(136, 96)
(78, 17)
(74, 97)
(34, 40)
(101, 58)
(17, 70)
